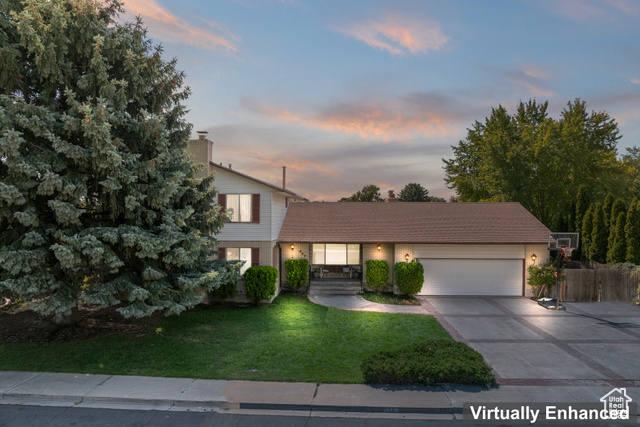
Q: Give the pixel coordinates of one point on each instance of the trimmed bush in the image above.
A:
(427, 363)
(409, 277)
(377, 274)
(260, 282)
(632, 231)
(297, 272)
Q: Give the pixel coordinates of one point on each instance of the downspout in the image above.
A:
(280, 264)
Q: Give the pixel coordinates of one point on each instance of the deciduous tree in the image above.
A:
(369, 193)
(538, 161)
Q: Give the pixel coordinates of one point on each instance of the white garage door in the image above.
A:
(472, 277)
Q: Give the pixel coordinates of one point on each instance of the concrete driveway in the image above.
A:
(589, 344)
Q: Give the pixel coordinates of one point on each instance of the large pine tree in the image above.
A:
(98, 199)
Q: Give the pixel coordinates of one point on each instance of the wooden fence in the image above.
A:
(600, 284)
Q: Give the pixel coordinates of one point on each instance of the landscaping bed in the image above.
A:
(389, 298)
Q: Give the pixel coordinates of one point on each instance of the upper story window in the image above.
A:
(244, 207)
(241, 205)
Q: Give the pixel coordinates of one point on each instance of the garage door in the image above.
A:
(472, 277)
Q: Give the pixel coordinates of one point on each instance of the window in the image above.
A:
(245, 207)
(241, 206)
(336, 254)
(240, 254)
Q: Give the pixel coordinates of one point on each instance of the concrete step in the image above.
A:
(334, 288)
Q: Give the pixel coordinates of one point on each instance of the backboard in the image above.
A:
(561, 241)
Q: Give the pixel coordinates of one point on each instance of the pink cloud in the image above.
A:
(635, 81)
(398, 35)
(403, 117)
(171, 28)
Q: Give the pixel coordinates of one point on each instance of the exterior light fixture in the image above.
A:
(379, 247)
(406, 257)
(292, 246)
(533, 258)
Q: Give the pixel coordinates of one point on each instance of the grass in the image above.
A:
(290, 340)
(389, 298)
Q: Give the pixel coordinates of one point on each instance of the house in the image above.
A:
(258, 209)
(465, 248)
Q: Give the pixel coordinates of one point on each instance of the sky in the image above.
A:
(350, 93)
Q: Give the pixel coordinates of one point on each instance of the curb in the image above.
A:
(41, 400)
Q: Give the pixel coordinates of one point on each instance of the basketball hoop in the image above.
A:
(566, 252)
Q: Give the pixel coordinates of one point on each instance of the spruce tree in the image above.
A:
(618, 250)
(98, 199)
(632, 231)
(599, 236)
(618, 207)
(607, 206)
(587, 227)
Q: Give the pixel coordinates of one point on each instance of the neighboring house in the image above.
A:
(257, 210)
(465, 248)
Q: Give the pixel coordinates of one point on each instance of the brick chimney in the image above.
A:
(392, 197)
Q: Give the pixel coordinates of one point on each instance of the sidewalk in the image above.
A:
(176, 394)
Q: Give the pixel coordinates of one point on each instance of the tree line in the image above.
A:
(412, 192)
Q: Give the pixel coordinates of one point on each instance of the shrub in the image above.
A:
(409, 277)
(377, 274)
(426, 363)
(632, 231)
(297, 272)
(542, 278)
(260, 282)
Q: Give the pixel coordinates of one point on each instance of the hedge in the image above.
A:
(377, 274)
(427, 363)
(260, 282)
(297, 272)
(409, 277)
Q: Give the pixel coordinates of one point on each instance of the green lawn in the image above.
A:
(290, 340)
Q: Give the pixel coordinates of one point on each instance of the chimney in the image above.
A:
(392, 197)
(202, 134)
(284, 177)
(229, 165)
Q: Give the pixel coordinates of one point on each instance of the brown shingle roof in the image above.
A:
(401, 222)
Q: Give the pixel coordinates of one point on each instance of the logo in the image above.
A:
(616, 403)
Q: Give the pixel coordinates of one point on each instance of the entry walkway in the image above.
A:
(356, 302)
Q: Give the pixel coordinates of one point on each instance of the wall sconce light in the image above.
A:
(379, 247)
(406, 257)
(292, 246)
(533, 258)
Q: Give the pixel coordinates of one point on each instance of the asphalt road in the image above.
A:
(41, 416)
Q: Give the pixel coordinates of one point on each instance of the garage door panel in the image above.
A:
(472, 277)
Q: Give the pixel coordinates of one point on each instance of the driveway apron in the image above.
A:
(526, 344)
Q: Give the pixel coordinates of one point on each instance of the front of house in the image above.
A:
(465, 248)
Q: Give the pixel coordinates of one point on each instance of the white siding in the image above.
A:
(230, 183)
(278, 210)
(470, 251)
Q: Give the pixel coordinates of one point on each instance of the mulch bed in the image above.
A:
(20, 324)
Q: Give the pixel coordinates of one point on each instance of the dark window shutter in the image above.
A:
(255, 256)
(222, 201)
(255, 206)
(222, 253)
